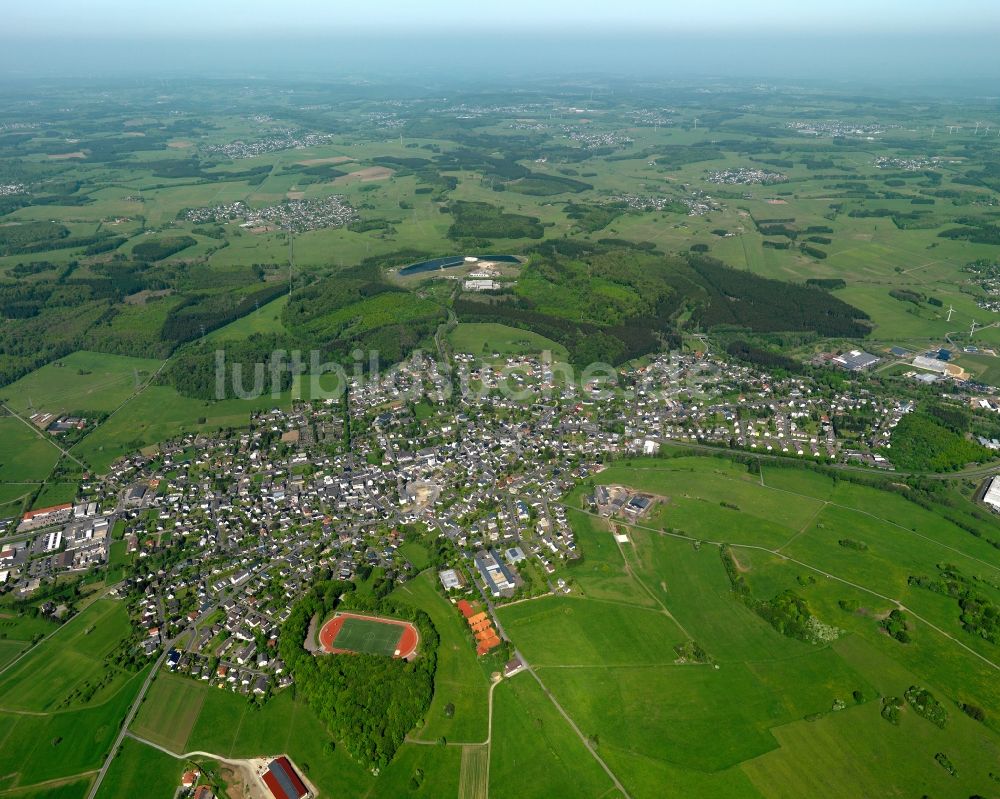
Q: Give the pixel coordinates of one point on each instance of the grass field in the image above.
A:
(26, 454)
(534, 753)
(55, 494)
(159, 413)
(68, 661)
(170, 710)
(83, 381)
(68, 788)
(36, 748)
(760, 719)
(140, 770)
(460, 680)
(373, 637)
(474, 776)
(486, 338)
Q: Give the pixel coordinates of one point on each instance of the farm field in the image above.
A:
(169, 711)
(68, 661)
(159, 413)
(55, 494)
(534, 753)
(80, 382)
(26, 455)
(694, 734)
(36, 748)
(138, 768)
(483, 339)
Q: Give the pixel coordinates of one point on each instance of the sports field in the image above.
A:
(368, 634)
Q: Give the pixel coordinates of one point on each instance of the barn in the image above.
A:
(282, 781)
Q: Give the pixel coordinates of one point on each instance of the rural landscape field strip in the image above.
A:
(475, 777)
(823, 573)
(907, 530)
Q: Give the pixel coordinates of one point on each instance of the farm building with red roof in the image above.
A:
(282, 781)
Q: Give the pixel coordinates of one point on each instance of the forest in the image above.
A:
(480, 222)
(922, 442)
(367, 702)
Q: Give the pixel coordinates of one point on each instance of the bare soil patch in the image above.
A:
(333, 159)
(67, 156)
(368, 174)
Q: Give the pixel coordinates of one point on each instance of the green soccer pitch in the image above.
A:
(372, 637)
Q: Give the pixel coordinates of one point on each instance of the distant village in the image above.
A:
(294, 215)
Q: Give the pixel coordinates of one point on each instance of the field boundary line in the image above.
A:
(42, 436)
(889, 522)
(632, 573)
(55, 782)
(56, 630)
(806, 526)
(126, 401)
(819, 571)
(569, 720)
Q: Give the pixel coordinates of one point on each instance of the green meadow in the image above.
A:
(768, 715)
(459, 680)
(80, 382)
(47, 678)
(485, 339)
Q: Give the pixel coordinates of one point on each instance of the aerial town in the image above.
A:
(239, 525)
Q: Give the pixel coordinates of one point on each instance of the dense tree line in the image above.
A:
(202, 313)
(828, 283)
(482, 221)
(767, 359)
(922, 443)
(158, 249)
(743, 299)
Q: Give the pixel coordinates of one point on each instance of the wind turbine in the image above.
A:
(951, 310)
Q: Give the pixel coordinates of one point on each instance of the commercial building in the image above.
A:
(855, 360)
(992, 495)
(450, 579)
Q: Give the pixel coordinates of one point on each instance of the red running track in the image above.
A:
(407, 645)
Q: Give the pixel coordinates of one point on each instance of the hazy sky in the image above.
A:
(112, 18)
